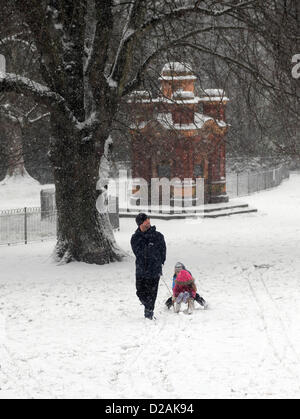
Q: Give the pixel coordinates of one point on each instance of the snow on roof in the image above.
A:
(181, 100)
(214, 95)
(177, 67)
(214, 99)
(187, 77)
(141, 94)
(166, 120)
(215, 92)
(182, 94)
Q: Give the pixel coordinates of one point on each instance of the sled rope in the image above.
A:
(167, 286)
(170, 292)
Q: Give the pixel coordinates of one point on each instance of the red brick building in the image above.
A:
(180, 135)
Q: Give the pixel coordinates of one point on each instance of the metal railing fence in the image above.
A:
(242, 184)
(26, 225)
(34, 224)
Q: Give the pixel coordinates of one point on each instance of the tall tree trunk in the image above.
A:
(83, 234)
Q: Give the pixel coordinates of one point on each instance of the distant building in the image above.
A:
(179, 135)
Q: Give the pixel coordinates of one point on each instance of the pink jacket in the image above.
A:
(184, 282)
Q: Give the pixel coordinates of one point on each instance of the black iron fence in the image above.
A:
(26, 225)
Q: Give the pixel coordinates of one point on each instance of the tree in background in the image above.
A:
(18, 113)
(249, 55)
(91, 55)
(15, 122)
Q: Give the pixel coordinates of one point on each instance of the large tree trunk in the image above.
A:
(83, 234)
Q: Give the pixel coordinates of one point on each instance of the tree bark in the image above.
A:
(83, 234)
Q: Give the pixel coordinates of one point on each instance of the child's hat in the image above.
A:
(179, 266)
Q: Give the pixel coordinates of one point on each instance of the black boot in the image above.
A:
(201, 301)
(169, 303)
(148, 314)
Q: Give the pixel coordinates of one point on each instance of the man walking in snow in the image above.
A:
(149, 247)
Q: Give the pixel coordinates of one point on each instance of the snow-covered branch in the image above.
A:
(39, 118)
(185, 10)
(30, 112)
(16, 115)
(90, 33)
(131, 34)
(126, 34)
(9, 112)
(40, 93)
(46, 39)
(248, 68)
(134, 84)
(90, 124)
(17, 38)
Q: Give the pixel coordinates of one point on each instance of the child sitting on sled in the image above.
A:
(200, 300)
(184, 291)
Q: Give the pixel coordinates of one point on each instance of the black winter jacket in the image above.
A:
(150, 251)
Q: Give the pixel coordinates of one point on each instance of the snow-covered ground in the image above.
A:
(20, 191)
(77, 330)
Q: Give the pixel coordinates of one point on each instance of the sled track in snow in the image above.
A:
(290, 343)
(19, 372)
(263, 297)
(144, 363)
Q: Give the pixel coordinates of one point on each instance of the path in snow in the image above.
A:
(78, 331)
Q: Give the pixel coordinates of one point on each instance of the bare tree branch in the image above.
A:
(135, 33)
(134, 83)
(17, 38)
(245, 67)
(40, 93)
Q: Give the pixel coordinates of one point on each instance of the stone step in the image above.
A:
(209, 211)
(221, 207)
(230, 211)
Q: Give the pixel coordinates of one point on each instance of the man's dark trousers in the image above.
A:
(146, 290)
